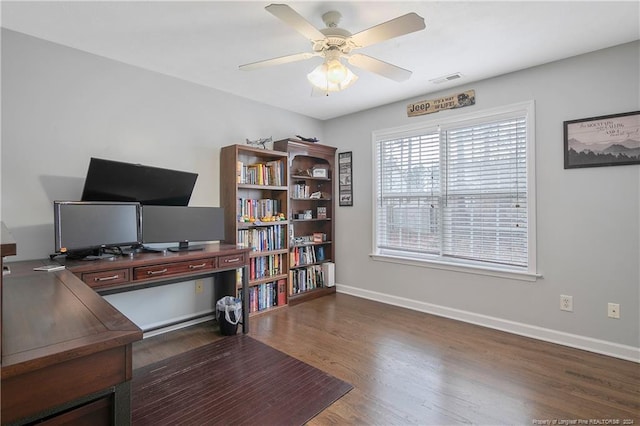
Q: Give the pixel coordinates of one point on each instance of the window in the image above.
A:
(458, 192)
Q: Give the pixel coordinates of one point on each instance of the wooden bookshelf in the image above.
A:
(311, 208)
(254, 192)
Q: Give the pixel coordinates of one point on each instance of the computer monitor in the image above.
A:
(87, 228)
(109, 180)
(182, 225)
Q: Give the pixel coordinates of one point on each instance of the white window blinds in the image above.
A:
(485, 204)
(458, 192)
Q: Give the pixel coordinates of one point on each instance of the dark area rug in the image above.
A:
(236, 380)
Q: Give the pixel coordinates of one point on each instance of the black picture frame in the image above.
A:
(606, 140)
(345, 176)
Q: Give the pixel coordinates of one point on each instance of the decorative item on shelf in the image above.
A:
(316, 195)
(304, 239)
(319, 237)
(321, 212)
(307, 215)
(260, 142)
(320, 172)
(307, 139)
(264, 219)
(301, 172)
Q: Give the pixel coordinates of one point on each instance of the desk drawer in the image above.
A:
(231, 261)
(168, 269)
(106, 278)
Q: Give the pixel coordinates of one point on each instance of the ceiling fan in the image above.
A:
(334, 44)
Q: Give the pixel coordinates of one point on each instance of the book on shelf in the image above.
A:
(264, 296)
(282, 292)
(300, 190)
(275, 172)
(240, 172)
(265, 266)
(306, 279)
(263, 238)
(306, 255)
(269, 173)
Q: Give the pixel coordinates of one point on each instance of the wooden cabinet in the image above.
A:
(255, 194)
(311, 209)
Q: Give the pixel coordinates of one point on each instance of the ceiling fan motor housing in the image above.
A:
(335, 37)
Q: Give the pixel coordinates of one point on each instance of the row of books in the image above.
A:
(306, 255)
(267, 173)
(263, 238)
(305, 279)
(248, 207)
(265, 296)
(300, 190)
(265, 266)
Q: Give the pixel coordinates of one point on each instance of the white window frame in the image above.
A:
(438, 262)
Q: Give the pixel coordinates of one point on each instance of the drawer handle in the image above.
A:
(113, 277)
(202, 265)
(161, 271)
(235, 259)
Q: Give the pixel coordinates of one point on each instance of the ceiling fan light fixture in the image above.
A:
(336, 72)
(332, 76)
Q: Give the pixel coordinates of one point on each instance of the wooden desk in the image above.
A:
(66, 351)
(7, 248)
(143, 270)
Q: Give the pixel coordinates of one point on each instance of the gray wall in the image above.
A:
(588, 220)
(61, 106)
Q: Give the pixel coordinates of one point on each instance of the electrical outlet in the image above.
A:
(199, 286)
(566, 303)
(613, 310)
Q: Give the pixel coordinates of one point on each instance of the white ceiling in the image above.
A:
(205, 42)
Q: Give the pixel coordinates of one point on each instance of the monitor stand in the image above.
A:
(142, 249)
(103, 256)
(97, 254)
(184, 246)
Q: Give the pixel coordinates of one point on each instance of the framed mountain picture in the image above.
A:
(608, 140)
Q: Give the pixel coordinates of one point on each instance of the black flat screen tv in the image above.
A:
(178, 224)
(109, 180)
(86, 228)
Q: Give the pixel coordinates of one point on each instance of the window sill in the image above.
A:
(458, 267)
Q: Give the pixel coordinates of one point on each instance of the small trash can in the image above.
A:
(228, 314)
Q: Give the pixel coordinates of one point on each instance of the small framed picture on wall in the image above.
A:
(345, 185)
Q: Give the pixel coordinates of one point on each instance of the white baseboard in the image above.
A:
(174, 325)
(603, 347)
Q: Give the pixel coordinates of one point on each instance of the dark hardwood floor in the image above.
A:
(409, 367)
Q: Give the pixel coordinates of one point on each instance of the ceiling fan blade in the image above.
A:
(379, 67)
(401, 25)
(293, 18)
(277, 61)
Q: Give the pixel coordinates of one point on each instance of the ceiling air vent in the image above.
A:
(446, 78)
